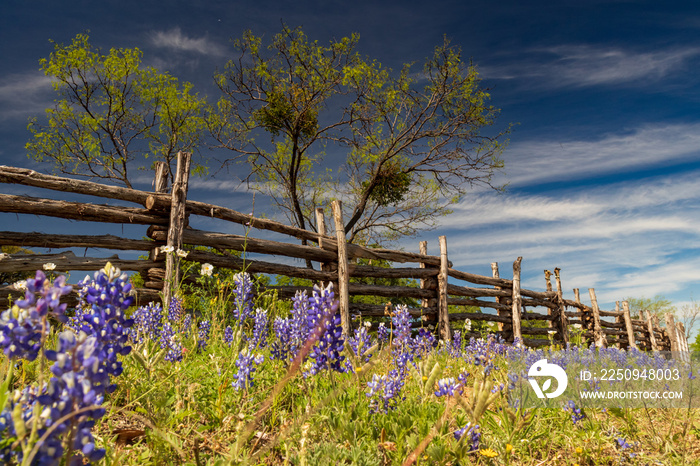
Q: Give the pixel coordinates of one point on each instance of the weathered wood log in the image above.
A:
(517, 301)
(388, 291)
(603, 313)
(479, 279)
(176, 225)
(78, 210)
(430, 281)
(253, 266)
(479, 303)
(160, 202)
(651, 332)
(343, 275)
(28, 177)
(505, 326)
(222, 241)
(562, 325)
(368, 271)
(378, 310)
(456, 290)
(324, 265)
(548, 287)
(456, 316)
(599, 336)
(66, 261)
(44, 240)
(529, 302)
(606, 324)
(538, 331)
(671, 331)
(443, 310)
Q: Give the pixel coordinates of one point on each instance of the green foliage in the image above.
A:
(111, 112)
(657, 305)
(412, 147)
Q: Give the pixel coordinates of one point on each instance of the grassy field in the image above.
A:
(236, 380)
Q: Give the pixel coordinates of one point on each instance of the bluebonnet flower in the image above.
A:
(175, 311)
(243, 379)
(382, 333)
(22, 326)
(292, 332)
(284, 346)
(448, 387)
(456, 344)
(259, 338)
(147, 322)
(360, 342)
(203, 334)
(385, 391)
(470, 432)
(243, 297)
(576, 414)
(186, 326)
(625, 449)
(228, 335)
(169, 341)
(423, 342)
(299, 325)
(323, 315)
(401, 320)
(81, 371)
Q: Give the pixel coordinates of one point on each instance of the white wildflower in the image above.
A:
(181, 253)
(207, 269)
(4, 256)
(20, 285)
(167, 249)
(49, 266)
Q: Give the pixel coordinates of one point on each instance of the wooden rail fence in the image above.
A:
(165, 216)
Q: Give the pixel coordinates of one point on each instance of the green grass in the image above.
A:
(189, 413)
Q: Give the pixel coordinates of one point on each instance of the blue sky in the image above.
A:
(604, 161)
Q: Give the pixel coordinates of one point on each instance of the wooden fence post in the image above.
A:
(671, 331)
(628, 325)
(321, 230)
(443, 311)
(343, 276)
(505, 329)
(427, 283)
(562, 322)
(650, 329)
(160, 185)
(517, 303)
(598, 335)
(177, 225)
(682, 342)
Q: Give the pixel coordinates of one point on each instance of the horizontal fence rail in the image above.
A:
(533, 318)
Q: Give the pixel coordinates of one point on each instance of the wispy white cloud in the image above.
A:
(587, 65)
(631, 238)
(23, 95)
(531, 162)
(175, 39)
